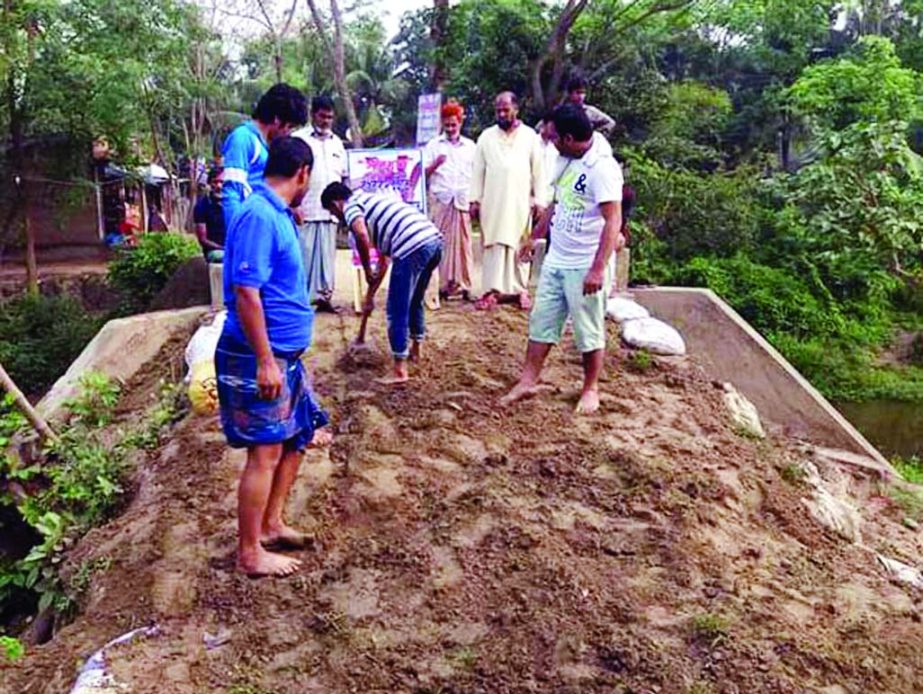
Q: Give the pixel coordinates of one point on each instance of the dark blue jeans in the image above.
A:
(409, 279)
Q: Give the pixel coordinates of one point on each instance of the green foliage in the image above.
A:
(793, 474)
(691, 214)
(489, 49)
(639, 361)
(908, 499)
(40, 336)
(711, 629)
(911, 469)
(869, 85)
(140, 272)
(98, 395)
(11, 421)
(857, 209)
(11, 648)
(768, 298)
(688, 128)
(78, 485)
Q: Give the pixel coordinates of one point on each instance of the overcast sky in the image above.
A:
(391, 11)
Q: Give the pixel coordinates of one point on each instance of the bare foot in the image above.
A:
(285, 537)
(519, 392)
(392, 380)
(262, 563)
(589, 402)
(416, 350)
(322, 438)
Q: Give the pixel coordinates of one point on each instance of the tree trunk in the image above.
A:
(31, 263)
(277, 58)
(439, 30)
(339, 65)
(554, 52)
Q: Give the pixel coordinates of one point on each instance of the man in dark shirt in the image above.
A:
(208, 216)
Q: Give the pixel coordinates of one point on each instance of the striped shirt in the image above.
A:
(396, 228)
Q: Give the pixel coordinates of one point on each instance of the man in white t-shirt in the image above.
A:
(318, 228)
(586, 218)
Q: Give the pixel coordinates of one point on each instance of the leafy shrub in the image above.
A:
(911, 469)
(141, 272)
(40, 336)
(11, 648)
(694, 214)
(77, 486)
(770, 299)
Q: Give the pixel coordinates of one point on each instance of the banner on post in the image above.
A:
(395, 171)
(428, 120)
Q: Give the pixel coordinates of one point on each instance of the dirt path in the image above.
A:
(463, 549)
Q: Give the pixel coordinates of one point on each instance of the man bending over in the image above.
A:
(404, 235)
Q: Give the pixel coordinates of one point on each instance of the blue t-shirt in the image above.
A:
(244, 156)
(262, 251)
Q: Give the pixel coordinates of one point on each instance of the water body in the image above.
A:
(892, 426)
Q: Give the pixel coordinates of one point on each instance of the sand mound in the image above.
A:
(462, 548)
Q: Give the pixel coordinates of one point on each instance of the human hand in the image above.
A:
(593, 282)
(269, 379)
(620, 241)
(368, 305)
(526, 250)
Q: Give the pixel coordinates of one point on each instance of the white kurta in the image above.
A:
(329, 166)
(508, 177)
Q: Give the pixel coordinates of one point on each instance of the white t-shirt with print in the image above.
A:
(580, 187)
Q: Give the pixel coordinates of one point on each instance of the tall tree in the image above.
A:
(554, 53)
(439, 29)
(336, 48)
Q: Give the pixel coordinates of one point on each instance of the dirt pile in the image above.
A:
(464, 549)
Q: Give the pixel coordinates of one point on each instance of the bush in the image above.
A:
(695, 214)
(40, 336)
(770, 299)
(77, 485)
(141, 272)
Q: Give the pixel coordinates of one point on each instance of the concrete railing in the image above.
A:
(119, 350)
(729, 349)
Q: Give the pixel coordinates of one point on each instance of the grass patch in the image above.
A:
(11, 649)
(639, 361)
(710, 628)
(465, 658)
(793, 474)
(909, 500)
(911, 469)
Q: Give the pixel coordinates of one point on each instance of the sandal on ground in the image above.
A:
(486, 303)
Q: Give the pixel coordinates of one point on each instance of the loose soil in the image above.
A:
(461, 548)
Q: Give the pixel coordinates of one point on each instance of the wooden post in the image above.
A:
(24, 406)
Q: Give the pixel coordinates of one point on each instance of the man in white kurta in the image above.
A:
(507, 187)
(318, 228)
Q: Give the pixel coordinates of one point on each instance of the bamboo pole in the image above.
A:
(24, 406)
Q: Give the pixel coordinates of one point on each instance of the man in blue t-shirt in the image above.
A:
(279, 111)
(266, 404)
